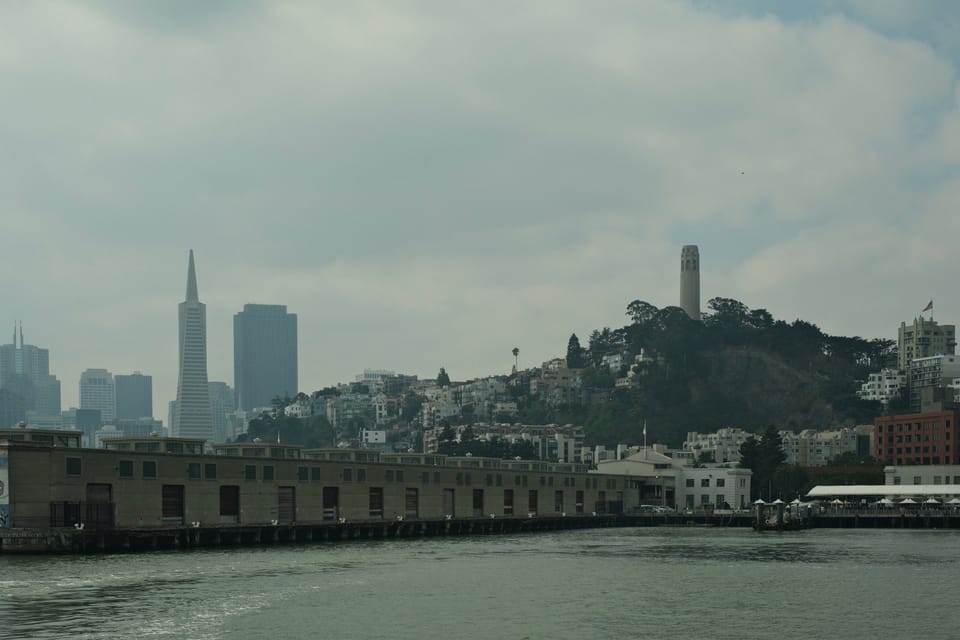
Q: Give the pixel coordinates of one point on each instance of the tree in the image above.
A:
(575, 359)
(443, 379)
(641, 312)
(762, 456)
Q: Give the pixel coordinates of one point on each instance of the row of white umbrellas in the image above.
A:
(884, 501)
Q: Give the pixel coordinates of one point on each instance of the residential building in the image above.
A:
(264, 354)
(192, 417)
(924, 338)
(97, 391)
(929, 378)
(563, 443)
(883, 385)
(134, 395)
(722, 446)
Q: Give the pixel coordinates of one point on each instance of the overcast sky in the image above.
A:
(431, 184)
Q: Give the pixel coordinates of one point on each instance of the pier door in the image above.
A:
(229, 504)
(478, 503)
(286, 504)
(411, 503)
(331, 503)
(448, 503)
(171, 504)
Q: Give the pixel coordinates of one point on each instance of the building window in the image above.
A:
(400, 475)
(125, 467)
(460, 478)
(361, 475)
(347, 475)
(508, 502)
(149, 469)
(690, 482)
(250, 472)
(917, 479)
(721, 482)
(425, 477)
(193, 470)
(74, 468)
(268, 472)
(315, 474)
(705, 482)
(210, 471)
(302, 474)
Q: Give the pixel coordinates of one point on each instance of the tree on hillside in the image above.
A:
(443, 379)
(575, 359)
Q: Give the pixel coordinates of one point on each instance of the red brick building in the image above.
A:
(917, 438)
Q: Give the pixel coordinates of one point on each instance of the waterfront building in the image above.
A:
(924, 338)
(913, 474)
(134, 395)
(917, 438)
(192, 417)
(690, 281)
(264, 354)
(97, 391)
(721, 446)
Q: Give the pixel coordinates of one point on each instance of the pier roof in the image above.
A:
(870, 490)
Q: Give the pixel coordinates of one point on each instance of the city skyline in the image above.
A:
(428, 188)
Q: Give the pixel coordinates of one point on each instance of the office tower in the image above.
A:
(264, 355)
(97, 391)
(221, 403)
(134, 395)
(690, 281)
(923, 339)
(192, 417)
(25, 372)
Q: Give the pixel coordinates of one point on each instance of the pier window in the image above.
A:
(424, 477)
(74, 467)
(400, 475)
(268, 472)
(690, 482)
(489, 479)
(149, 469)
(125, 468)
(704, 482)
(347, 475)
(193, 470)
(499, 480)
(532, 501)
(302, 474)
(250, 472)
(721, 482)
(467, 479)
(361, 475)
(376, 502)
(460, 478)
(210, 471)
(579, 501)
(315, 474)
(558, 501)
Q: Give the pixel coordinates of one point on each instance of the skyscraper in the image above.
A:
(134, 395)
(25, 372)
(221, 403)
(97, 391)
(264, 354)
(690, 280)
(192, 418)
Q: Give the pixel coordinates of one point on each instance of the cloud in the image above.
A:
(431, 185)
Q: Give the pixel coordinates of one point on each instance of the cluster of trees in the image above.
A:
(314, 432)
(493, 448)
(737, 366)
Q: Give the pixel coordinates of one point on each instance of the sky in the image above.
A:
(431, 184)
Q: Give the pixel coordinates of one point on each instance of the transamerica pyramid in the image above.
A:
(192, 417)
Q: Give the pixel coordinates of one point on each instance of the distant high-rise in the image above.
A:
(221, 403)
(264, 354)
(134, 396)
(25, 372)
(690, 280)
(192, 417)
(97, 391)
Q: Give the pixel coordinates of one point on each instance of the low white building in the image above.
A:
(928, 474)
(883, 385)
(672, 483)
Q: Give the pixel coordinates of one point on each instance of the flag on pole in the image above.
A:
(929, 307)
(644, 428)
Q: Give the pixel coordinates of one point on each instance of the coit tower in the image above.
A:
(690, 280)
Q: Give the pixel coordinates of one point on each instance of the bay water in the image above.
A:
(604, 583)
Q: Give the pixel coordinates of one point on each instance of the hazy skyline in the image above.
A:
(431, 184)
